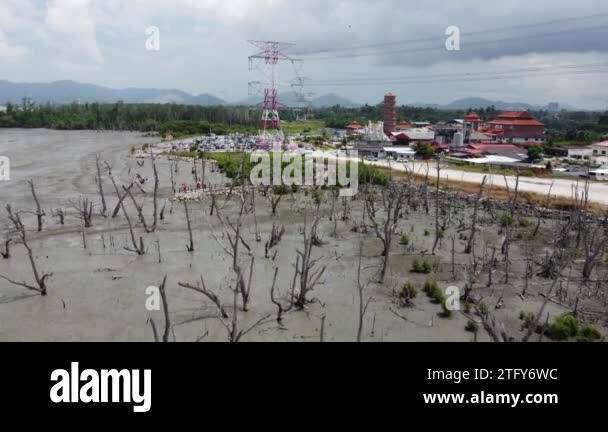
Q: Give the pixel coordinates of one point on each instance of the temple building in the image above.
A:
(515, 127)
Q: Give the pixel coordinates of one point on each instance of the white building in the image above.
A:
(599, 174)
(580, 153)
(600, 153)
(400, 153)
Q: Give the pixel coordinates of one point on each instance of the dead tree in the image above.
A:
(140, 210)
(60, 214)
(593, 236)
(363, 303)
(99, 181)
(282, 308)
(542, 211)
(234, 233)
(155, 194)
(307, 271)
(40, 286)
(202, 289)
(138, 248)
(39, 212)
(438, 229)
(172, 170)
(190, 246)
(392, 198)
(84, 207)
(276, 235)
(275, 199)
(471, 244)
(6, 252)
(229, 321)
(510, 224)
(167, 330)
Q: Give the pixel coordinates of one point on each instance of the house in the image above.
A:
(353, 128)
(401, 153)
(599, 153)
(515, 127)
(508, 150)
(579, 152)
(599, 174)
(414, 135)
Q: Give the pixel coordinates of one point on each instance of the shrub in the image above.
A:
(527, 320)
(427, 233)
(523, 222)
(505, 220)
(405, 240)
(432, 290)
(421, 267)
(445, 311)
(472, 327)
(407, 293)
(589, 334)
(563, 327)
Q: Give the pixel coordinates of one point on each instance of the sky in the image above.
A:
(534, 51)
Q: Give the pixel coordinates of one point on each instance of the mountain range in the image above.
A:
(63, 92)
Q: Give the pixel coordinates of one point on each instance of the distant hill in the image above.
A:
(466, 103)
(63, 92)
(472, 103)
(291, 99)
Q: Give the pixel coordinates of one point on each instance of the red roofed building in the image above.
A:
(509, 150)
(403, 126)
(353, 128)
(516, 127)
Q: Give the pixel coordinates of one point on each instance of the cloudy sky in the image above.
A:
(536, 51)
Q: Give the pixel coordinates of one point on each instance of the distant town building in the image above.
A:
(553, 107)
(600, 152)
(353, 128)
(470, 124)
(402, 127)
(414, 135)
(515, 127)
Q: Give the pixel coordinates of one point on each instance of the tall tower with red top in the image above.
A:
(389, 114)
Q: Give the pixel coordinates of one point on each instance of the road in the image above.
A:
(598, 192)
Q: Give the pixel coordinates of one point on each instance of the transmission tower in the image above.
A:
(303, 98)
(270, 55)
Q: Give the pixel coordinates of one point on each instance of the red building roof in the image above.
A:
(481, 149)
(472, 118)
(516, 118)
(354, 126)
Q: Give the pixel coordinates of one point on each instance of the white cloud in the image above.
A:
(72, 32)
(10, 53)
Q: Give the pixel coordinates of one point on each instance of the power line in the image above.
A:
(460, 80)
(441, 39)
(472, 43)
(460, 74)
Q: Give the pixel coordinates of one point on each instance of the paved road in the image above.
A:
(598, 192)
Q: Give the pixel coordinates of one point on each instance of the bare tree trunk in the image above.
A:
(40, 287)
(438, 231)
(104, 207)
(39, 212)
(167, 330)
(155, 195)
(190, 247)
(471, 244)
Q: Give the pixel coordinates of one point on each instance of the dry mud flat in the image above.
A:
(99, 293)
